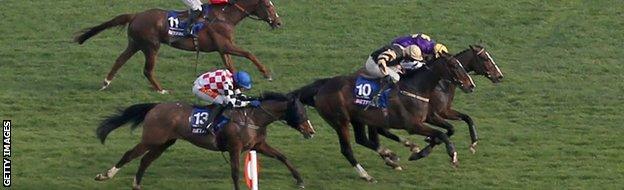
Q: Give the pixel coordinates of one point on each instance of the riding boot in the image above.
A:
(216, 111)
(192, 18)
(386, 83)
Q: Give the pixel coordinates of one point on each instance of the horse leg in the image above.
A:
(407, 143)
(150, 62)
(152, 155)
(437, 120)
(227, 60)
(235, 164)
(372, 142)
(455, 115)
(269, 151)
(131, 49)
(131, 154)
(233, 50)
(421, 129)
(345, 148)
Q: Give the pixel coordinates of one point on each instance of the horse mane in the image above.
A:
(273, 96)
(306, 93)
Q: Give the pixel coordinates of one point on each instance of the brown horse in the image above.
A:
(407, 109)
(148, 29)
(166, 122)
(476, 59)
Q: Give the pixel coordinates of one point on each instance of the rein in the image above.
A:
(271, 115)
(246, 13)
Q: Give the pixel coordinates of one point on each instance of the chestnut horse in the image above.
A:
(148, 29)
(166, 122)
(407, 109)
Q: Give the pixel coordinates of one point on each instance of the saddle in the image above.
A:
(177, 21)
(199, 119)
(370, 92)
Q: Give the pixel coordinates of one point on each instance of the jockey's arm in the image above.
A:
(384, 58)
(233, 97)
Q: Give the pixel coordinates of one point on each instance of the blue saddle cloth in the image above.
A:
(366, 89)
(199, 120)
(176, 24)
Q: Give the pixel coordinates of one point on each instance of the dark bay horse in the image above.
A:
(166, 122)
(476, 59)
(407, 109)
(148, 29)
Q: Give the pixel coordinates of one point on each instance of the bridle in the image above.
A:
(254, 17)
(479, 58)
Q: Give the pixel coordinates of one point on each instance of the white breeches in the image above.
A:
(195, 5)
(373, 70)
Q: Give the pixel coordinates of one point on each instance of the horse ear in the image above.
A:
(471, 47)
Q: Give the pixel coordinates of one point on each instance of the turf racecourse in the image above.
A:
(554, 123)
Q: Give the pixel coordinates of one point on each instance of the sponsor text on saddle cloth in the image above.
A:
(176, 24)
(199, 120)
(366, 89)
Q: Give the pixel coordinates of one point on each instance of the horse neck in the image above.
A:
(423, 82)
(233, 15)
(270, 112)
(467, 59)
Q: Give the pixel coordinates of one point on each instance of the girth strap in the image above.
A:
(412, 95)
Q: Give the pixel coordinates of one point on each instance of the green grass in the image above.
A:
(554, 123)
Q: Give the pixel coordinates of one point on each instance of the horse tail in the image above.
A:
(306, 93)
(87, 33)
(135, 113)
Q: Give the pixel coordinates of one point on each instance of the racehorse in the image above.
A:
(148, 29)
(166, 122)
(407, 106)
(476, 59)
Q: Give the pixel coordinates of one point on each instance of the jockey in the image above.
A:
(385, 62)
(220, 88)
(195, 11)
(429, 48)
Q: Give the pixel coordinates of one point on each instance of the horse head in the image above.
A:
(455, 72)
(293, 112)
(262, 9)
(485, 65)
(297, 118)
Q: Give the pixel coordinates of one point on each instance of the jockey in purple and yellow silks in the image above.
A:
(429, 48)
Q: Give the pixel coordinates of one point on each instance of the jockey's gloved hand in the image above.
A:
(255, 103)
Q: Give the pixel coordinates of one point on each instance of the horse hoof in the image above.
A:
(473, 148)
(269, 78)
(163, 92)
(369, 179)
(300, 185)
(105, 84)
(101, 177)
(416, 156)
(454, 160)
(137, 187)
(392, 164)
(398, 168)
